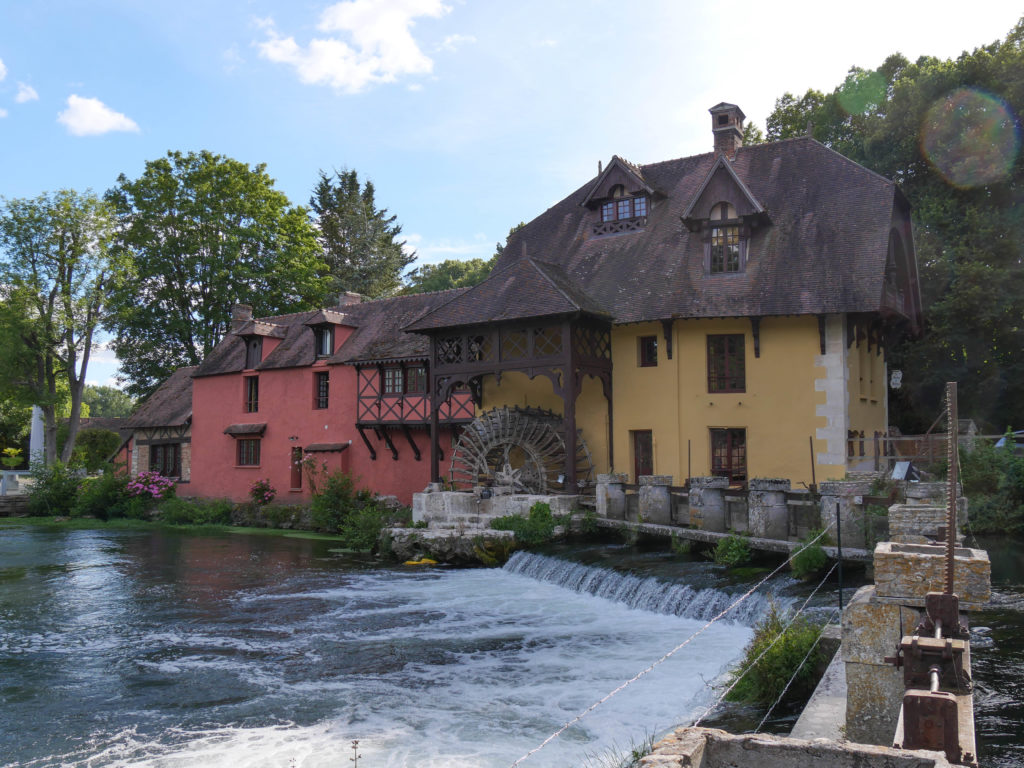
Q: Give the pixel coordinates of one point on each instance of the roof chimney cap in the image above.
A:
(240, 315)
(348, 298)
(727, 128)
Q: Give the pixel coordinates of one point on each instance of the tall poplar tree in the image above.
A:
(203, 232)
(360, 242)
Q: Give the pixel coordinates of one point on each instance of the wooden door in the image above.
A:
(643, 453)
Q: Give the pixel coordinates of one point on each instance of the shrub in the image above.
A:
(731, 551)
(763, 682)
(262, 492)
(809, 559)
(54, 489)
(333, 500)
(532, 531)
(680, 546)
(94, 447)
(151, 485)
(103, 497)
(993, 479)
(176, 511)
(11, 458)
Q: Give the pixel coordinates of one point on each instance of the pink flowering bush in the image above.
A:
(262, 492)
(151, 485)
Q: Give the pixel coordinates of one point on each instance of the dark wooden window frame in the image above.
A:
(415, 380)
(164, 457)
(323, 341)
(621, 208)
(392, 384)
(729, 453)
(253, 352)
(726, 361)
(647, 351)
(321, 389)
(726, 249)
(251, 394)
(247, 451)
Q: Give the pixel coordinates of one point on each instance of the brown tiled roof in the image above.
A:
(169, 406)
(523, 288)
(379, 335)
(823, 252)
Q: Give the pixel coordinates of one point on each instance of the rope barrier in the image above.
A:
(665, 657)
(799, 667)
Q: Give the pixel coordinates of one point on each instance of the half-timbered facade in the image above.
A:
(161, 436)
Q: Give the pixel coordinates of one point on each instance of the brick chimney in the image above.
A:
(348, 298)
(240, 315)
(727, 127)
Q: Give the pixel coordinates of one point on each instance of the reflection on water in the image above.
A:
(166, 649)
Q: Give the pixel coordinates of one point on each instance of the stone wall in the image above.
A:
(712, 748)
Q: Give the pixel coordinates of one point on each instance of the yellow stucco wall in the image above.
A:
(867, 388)
(777, 410)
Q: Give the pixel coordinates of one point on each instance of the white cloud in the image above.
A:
(232, 59)
(26, 93)
(3, 70)
(454, 42)
(480, 247)
(3, 113)
(91, 117)
(375, 44)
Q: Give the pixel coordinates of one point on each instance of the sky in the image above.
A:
(468, 117)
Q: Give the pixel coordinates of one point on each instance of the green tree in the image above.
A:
(107, 402)
(946, 132)
(450, 273)
(202, 232)
(57, 270)
(359, 241)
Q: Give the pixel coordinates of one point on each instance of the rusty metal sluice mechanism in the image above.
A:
(937, 711)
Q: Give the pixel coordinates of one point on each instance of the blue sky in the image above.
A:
(468, 116)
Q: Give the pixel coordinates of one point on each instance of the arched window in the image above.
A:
(623, 206)
(726, 252)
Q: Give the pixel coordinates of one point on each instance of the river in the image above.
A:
(160, 648)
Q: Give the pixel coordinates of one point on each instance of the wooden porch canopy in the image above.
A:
(527, 317)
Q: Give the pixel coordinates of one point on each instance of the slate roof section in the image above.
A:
(378, 335)
(169, 406)
(824, 251)
(524, 288)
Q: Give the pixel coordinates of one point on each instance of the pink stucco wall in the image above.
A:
(286, 406)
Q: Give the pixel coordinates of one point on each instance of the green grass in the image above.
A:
(84, 523)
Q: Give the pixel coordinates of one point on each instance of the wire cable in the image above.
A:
(761, 655)
(665, 657)
(799, 667)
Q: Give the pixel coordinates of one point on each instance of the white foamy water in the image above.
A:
(438, 669)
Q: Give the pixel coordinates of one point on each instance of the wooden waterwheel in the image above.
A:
(520, 447)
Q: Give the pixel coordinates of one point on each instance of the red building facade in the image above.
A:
(342, 388)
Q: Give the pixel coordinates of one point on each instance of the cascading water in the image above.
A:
(643, 593)
(158, 649)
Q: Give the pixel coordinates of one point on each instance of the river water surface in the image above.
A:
(158, 648)
(176, 649)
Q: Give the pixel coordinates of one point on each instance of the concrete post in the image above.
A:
(851, 512)
(655, 501)
(611, 496)
(707, 503)
(768, 514)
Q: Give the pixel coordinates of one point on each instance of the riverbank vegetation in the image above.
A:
(993, 481)
(776, 654)
(340, 509)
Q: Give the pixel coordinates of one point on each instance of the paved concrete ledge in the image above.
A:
(824, 717)
(710, 537)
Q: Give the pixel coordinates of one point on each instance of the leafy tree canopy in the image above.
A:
(107, 402)
(360, 242)
(203, 232)
(948, 133)
(56, 271)
(450, 273)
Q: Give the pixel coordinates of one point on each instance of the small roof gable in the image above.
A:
(328, 316)
(717, 184)
(524, 289)
(724, 106)
(261, 328)
(619, 171)
(169, 406)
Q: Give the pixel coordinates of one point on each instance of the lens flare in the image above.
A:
(970, 137)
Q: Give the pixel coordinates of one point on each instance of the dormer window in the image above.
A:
(726, 241)
(622, 208)
(323, 340)
(253, 351)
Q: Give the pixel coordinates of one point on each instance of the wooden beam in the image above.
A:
(412, 443)
(366, 440)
